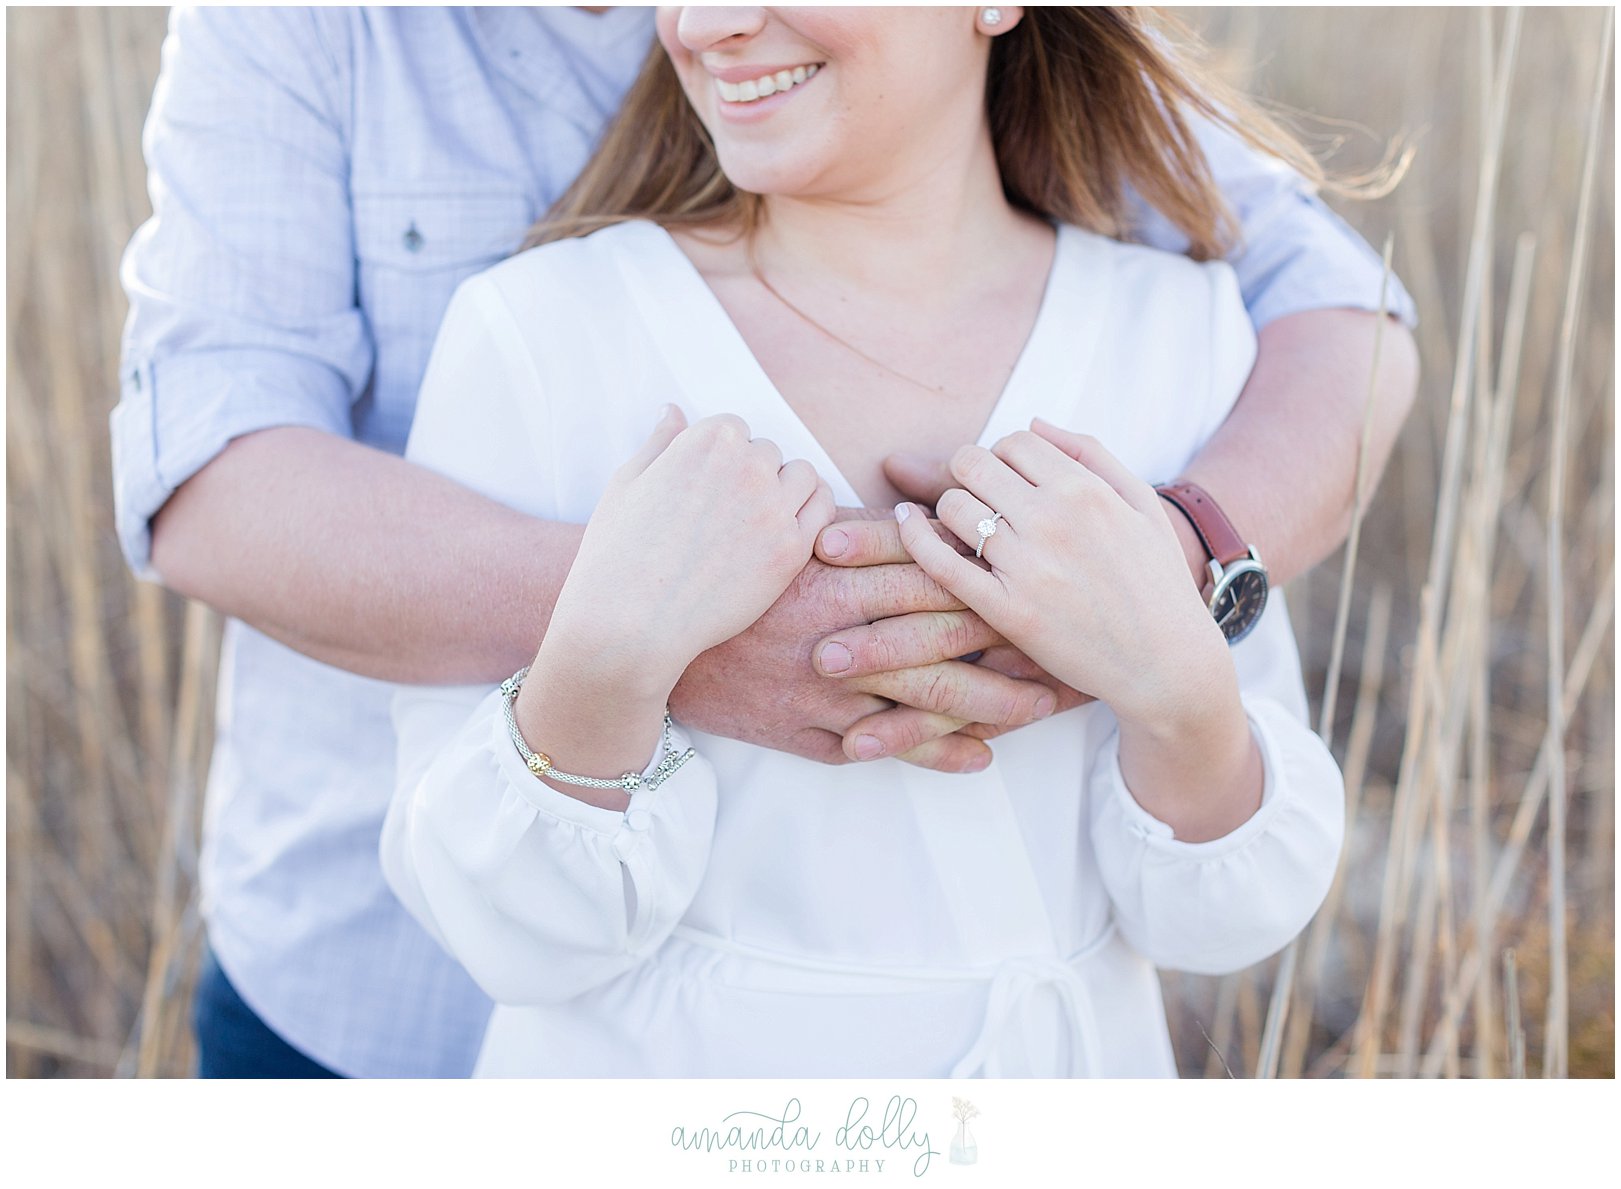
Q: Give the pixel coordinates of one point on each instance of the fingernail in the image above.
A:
(835, 542)
(664, 415)
(1045, 705)
(902, 511)
(979, 763)
(836, 658)
(868, 748)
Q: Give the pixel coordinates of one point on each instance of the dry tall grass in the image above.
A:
(1450, 943)
(109, 681)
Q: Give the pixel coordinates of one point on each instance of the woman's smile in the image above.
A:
(897, 91)
(750, 84)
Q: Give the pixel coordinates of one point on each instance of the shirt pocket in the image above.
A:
(413, 247)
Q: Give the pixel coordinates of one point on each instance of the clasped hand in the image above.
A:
(721, 533)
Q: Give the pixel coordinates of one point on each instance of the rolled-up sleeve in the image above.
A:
(1294, 254)
(242, 284)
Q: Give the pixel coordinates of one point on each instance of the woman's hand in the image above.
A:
(1087, 577)
(1086, 574)
(694, 538)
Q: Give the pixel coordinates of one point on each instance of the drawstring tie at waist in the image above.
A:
(1012, 982)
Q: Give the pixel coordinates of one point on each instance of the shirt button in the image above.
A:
(413, 239)
(638, 819)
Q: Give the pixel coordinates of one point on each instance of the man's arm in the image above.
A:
(382, 567)
(362, 560)
(237, 479)
(1283, 464)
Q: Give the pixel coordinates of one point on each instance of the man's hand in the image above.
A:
(885, 656)
(376, 565)
(772, 685)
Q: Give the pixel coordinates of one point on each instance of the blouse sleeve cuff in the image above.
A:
(661, 839)
(1161, 837)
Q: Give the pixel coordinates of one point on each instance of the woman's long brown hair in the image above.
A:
(1083, 102)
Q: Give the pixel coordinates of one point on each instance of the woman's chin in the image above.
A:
(773, 179)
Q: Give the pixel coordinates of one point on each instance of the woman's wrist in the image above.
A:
(1184, 676)
(1194, 763)
(591, 715)
(638, 655)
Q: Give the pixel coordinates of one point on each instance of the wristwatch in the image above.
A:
(1236, 594)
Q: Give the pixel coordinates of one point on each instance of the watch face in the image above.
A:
(1240, 600)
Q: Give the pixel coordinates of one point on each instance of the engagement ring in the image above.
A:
(987, 530)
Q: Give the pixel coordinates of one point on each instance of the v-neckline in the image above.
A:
(708, 353)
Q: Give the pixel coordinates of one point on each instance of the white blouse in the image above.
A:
(761, 915)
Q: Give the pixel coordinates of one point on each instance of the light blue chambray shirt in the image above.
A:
(321, 181)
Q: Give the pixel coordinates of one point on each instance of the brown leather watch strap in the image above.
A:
(1220, 538)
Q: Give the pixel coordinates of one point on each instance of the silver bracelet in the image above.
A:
(540, 763)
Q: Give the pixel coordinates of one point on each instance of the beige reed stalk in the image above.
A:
(1475, 282)
(1464, 656)
(1357, 747)
(1225, 1016)
(172, 893)
(1407, 815)
(1493, 456)
(1470, 969)
(1516, 1033)
(117, 184)
(1283, 984)
(1556, 1046)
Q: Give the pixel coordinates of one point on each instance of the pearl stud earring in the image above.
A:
(991, 17)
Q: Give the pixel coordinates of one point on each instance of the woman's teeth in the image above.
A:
(766, 84)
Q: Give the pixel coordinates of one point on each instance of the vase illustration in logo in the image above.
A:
(963, 1148)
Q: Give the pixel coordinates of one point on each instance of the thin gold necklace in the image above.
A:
(754, 267)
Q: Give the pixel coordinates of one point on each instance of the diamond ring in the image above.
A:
(987, 530)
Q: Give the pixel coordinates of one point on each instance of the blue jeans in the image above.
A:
(233, 1042)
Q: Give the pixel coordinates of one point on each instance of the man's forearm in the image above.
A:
(363, 560)
(1283, 465)
(381, 567)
